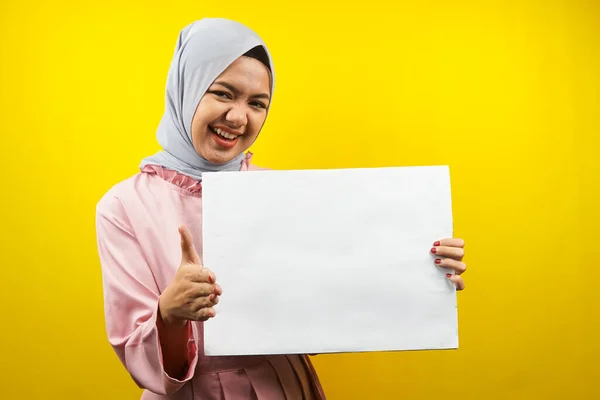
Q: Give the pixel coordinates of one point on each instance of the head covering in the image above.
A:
(204, 50)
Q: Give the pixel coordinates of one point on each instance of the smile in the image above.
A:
(224, 134)
(223, 138)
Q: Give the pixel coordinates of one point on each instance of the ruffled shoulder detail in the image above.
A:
(182, 181)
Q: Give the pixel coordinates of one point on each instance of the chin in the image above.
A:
(220, 158)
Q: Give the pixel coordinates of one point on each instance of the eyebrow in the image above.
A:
(237, 91)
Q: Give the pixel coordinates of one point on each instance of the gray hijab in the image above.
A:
(204, 50)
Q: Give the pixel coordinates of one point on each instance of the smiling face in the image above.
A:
(232, 111)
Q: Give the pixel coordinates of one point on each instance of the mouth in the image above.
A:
(223, 138)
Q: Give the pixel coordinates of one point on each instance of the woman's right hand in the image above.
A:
(193, 292)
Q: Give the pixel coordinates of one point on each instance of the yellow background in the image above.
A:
(506, 93)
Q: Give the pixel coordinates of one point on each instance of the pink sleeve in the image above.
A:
(131, 303)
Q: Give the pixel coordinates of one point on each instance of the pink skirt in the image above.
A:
(281, 377)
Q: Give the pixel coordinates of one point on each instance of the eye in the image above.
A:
(258, 104)
(221, 94)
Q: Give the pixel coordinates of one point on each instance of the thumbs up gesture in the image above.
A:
(193, 292)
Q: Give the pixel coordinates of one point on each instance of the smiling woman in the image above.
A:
(229, 118)
(157, 292)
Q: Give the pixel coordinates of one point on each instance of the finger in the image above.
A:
(457, 280)
(200, 275)
(458, 266)
(218, 290)
(456, 253)
(205, 314)
(189, 255)
(205, 302)
(198, 290)
(214, 299)
(450, 242)
(201, 318)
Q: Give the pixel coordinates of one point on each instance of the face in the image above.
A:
(232, 111)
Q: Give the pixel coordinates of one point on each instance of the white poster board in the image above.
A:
(320, 261)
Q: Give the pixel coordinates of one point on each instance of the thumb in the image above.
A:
(189, 255)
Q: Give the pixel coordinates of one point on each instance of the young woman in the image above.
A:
(157, 292)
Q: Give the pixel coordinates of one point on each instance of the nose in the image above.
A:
(237, 116)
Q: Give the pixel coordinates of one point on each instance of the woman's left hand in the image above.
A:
(449, 254)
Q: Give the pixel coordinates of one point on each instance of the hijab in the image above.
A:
(204, 50)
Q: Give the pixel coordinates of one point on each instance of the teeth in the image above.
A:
(221, 132)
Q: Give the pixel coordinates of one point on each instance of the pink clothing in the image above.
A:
(139, 248)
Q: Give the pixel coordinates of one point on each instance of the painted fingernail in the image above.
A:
(436, 244)
(438, 261)
(448, 275)
(433, 250)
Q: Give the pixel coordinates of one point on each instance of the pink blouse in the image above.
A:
(139, 249)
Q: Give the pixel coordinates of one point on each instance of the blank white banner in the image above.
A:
(322, 261)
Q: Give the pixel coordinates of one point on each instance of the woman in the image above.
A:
(157, 293)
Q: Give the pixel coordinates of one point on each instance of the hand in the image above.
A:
(450, 254)
(193, 292)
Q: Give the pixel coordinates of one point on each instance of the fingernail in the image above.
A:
(433, 250)
(211, 278)
(211, 297)
(436, 244)
(448, 275)
(437, 261)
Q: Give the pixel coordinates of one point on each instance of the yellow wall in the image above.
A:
(506, 93)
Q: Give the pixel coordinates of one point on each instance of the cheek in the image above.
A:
(256, 122)
(199, 121)
(197, 131)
